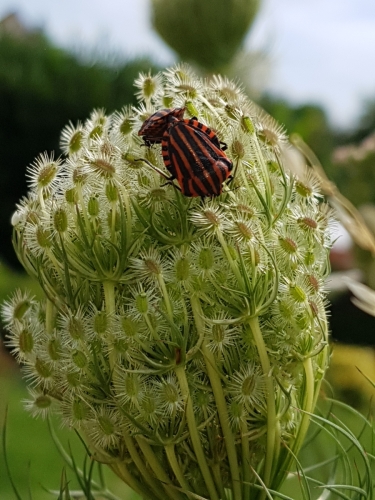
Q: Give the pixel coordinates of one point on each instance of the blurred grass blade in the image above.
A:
(85, 480)
(64, 487)
(7, 467)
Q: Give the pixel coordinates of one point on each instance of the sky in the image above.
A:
(322, 51)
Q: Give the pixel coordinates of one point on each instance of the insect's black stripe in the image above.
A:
(166, 155)
(208, 148)
(185, 160)
(207, 154)
(182, 153)
(197, 166)
(203, 128)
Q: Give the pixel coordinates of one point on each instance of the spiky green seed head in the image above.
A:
(189, 332)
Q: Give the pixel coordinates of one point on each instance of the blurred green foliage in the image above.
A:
(364, 127)
(207, 33)
(33, 458)
(42, 87)
(12, 280)
(307, 120)
(356, 179)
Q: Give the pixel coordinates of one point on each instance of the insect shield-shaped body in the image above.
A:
(153, 128)
(192, 154)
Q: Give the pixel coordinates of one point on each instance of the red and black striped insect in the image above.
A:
(153, 128)
(191, 151)
(194, 159)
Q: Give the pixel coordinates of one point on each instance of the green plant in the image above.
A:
(184, 339)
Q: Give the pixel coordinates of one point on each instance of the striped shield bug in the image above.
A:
(191, 151)
(194, 158)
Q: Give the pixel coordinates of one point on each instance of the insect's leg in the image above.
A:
(171, 183)
(157, 169)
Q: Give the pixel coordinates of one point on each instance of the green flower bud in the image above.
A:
(206, 259)
(26, 341)
(43, 237)
(75, 142)
(79, 359)
(106, 425)
(71, 195)
(93, 206)
(191, 109)
(142, 303)
(60, 220)
(80, 410)
(73, 379)
(288, 245)
(297, 293)
(43, 402)
(126, 126)
(43, 369)
(54, 349)
(21, 309)
(182, 268)
(100, 322)
(247, 125)
(111, 192)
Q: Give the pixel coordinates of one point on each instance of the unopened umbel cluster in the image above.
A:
(184, 338)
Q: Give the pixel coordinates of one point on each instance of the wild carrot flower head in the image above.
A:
(181, 336)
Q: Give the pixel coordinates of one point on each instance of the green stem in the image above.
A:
(308, 404)
(41, 198)
(145, 473)
(109, 295)
(245, 461)
(158, 469)
(194, 434)
(83, 208)
(113, 220)
(218, 479)
(155, 334)
(173, 462)
(229, 257)
(128, 214)
(307, 407)
(110, 305)
(271, 407)
(164, 291)
(211, 108)
(222, 410)
(220, 403)
(276, 453)
(260, 158)
(323, 364)
(120, 469)
(56, 263)
(50, 316)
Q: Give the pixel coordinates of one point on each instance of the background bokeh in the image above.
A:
(309, 64)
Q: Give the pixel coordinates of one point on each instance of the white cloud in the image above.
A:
(323, 51)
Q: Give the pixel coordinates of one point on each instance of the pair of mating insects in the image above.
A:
(192, 153)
